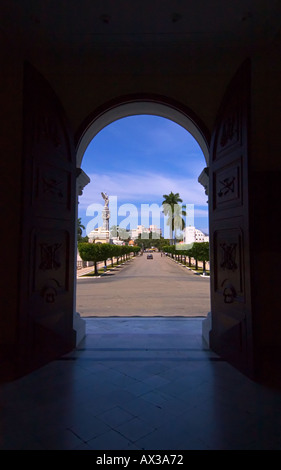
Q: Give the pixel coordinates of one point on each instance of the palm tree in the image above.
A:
(175, 213)
(80, 228)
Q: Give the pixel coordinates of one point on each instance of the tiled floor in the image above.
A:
(139, 383)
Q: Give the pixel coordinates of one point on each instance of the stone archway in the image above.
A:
(46, 322)
(229, 326)
(144, 105)
(136, 105)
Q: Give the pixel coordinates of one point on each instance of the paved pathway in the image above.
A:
(144, 287)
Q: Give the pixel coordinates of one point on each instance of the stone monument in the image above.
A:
(105, 213)
(102, 234)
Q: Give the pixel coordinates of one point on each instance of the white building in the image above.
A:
(194, 235)
(140, 230)
(144, 231)
(99, 235)
(155, 229)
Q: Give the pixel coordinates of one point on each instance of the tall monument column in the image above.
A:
(106, 216)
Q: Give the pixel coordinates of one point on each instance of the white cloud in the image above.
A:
(199, 212)
(141, 187)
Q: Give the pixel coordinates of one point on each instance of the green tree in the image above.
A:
(159, 243)
(114, 231)
(84, 239)
(122, 233)
(185, 250)
(116, 252)
(80, 228)
(203, 252)
(91, 252)
(153, 240)
(106, 252)
(175, 213)
(195, 251)
(170, 249)
(113, 252)
(135, 249)
(200, 252)
(188, 253)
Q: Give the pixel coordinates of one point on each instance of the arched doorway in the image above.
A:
(147, 105)
(225, 178)
(46, 326)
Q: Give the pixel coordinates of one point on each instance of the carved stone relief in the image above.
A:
(229, 264)
(50, 256)
(228, 260)
(229, 133)
(48, 214)
(48, 131)
(227, 186)
(50, 291)
(50, 267)
(229, 293)
(51, 186)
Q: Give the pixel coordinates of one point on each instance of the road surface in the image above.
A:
(144, 287)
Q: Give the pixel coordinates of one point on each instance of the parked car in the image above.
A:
(150, 256)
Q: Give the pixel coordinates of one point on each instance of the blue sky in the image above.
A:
(137, 159)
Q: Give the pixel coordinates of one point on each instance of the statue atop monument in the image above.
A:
(106, 199)
(105, 212)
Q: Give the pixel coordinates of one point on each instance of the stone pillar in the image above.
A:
(79, 325)
(203, 179)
